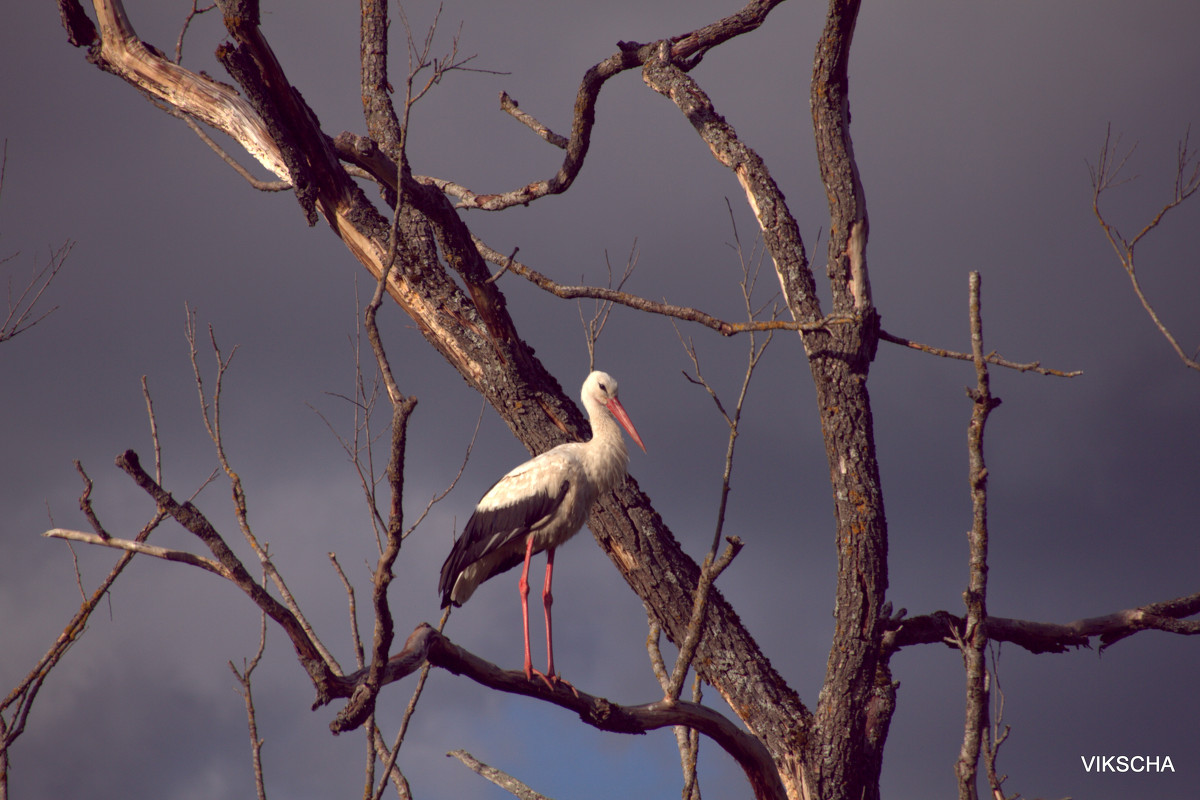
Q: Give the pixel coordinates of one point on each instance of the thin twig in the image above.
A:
(378, 749)
(20, 317)
(192, 14)
(361, 445)
(746, 284)
(211, 415)
(505, 781)
(256, 183)
(993, 736)
(507, 264)
(686, 739)
(22, 696)
(592, 328)
(402, 408)
(1105, 175)
(709, 572)
(243, 679)
(354, 634)
(437, 498)
(420, 59)
(153, 430)
(990, 358)
(134, 546)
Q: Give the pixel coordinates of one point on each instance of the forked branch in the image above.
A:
(686, 49)
(1106, 174)
(19, 701)
(227, 565)
(20, 316)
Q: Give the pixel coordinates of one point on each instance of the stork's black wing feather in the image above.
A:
(490, 530)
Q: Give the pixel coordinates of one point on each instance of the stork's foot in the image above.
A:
(551, 680)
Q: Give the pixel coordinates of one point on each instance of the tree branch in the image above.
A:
(781, 234)
(510, 106)
(382, 123)
(629, 55)
(506, 782)
(973, 642)
(425, 643)
(188, 516)
(650, 306)
(402, 408)
(133, 546)
(709, 572)
(19, 317)
(23, 695)
(120, 51)
(1106, 175)
(212, 425)
(1047, 637)
(989, 358)
(243, 679)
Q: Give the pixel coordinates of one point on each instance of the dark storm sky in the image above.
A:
(973, 125)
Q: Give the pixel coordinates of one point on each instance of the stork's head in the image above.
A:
(600, 389)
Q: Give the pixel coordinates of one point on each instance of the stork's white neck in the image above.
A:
(606, 455)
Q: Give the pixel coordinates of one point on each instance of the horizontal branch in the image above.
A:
(131, 546)
(688, 314)
(426, 644)
(991, 358)
(1049, 637)
(685, 313)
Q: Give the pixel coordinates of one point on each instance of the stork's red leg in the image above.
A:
(552, 680)
(547, 601)
(523, 587)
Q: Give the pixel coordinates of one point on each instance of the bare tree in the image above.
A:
(411, 241)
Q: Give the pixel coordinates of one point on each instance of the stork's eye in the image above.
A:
(604, 388)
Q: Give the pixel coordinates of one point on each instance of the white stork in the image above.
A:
(538, 506)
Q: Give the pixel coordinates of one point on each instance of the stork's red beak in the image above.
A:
(618, 411)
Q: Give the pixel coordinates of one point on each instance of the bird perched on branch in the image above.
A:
(538, 506)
